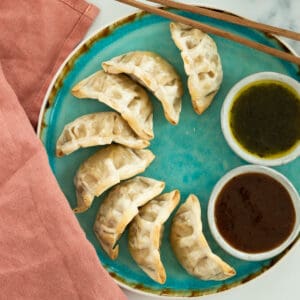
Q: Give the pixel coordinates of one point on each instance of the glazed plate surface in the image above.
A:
(191, 156)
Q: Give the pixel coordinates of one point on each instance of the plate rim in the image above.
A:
(123, 20)
(92, 37)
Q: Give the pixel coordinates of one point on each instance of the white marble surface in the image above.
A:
(281, 282)
(280, 13)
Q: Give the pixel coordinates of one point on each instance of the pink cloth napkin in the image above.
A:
(44, 254)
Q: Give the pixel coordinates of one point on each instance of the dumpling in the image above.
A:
(120, 207)
(155, 73)
(145, 234)
(202, 64)
(106, 168)
(191, 247)
(97, 129)
(123, 95)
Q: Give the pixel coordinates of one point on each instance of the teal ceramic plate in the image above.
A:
(191, 156)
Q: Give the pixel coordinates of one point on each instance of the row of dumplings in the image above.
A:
(138, 202)
(130, 128)
(133, 126)
(202, 65)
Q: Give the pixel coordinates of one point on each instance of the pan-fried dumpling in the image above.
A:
(120, 207)
(106, 168)
(123, 95)
(155, 73)
(190, 245)
(202, 64)
(145, 234)
(97, 129)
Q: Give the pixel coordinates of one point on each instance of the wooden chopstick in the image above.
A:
(230, 18)
(213, 30)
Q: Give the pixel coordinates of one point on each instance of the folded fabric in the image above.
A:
(44, 254)
(36, 36)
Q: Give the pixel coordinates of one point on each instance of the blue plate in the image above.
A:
(191, 156)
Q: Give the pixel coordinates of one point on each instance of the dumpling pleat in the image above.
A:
(120, 206)
(106, 168)
(145, 234)
(202, 64)
(156, 74)
(97, 129)
(190, 246)
(123, 95)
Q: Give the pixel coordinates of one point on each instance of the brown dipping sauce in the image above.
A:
(254, 213)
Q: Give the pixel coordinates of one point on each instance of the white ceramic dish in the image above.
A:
(211, 213)
(227, 132)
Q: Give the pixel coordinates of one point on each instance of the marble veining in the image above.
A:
(280, 13)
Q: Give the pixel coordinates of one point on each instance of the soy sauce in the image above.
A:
(254, 213)
(265, 118)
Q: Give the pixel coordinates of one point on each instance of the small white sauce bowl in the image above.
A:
(211, 212)
(225, 122)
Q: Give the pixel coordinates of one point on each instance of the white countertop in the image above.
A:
(281, 281)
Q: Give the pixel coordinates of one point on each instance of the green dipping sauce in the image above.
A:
(265, 118)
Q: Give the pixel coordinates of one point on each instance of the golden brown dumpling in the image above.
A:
(155, 73)
(123, 95)
(106, 168)
(145, 234)
(97, 129)
(202, 64)
(120, 207)
(191, 247)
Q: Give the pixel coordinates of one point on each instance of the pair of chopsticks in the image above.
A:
(221, 16)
